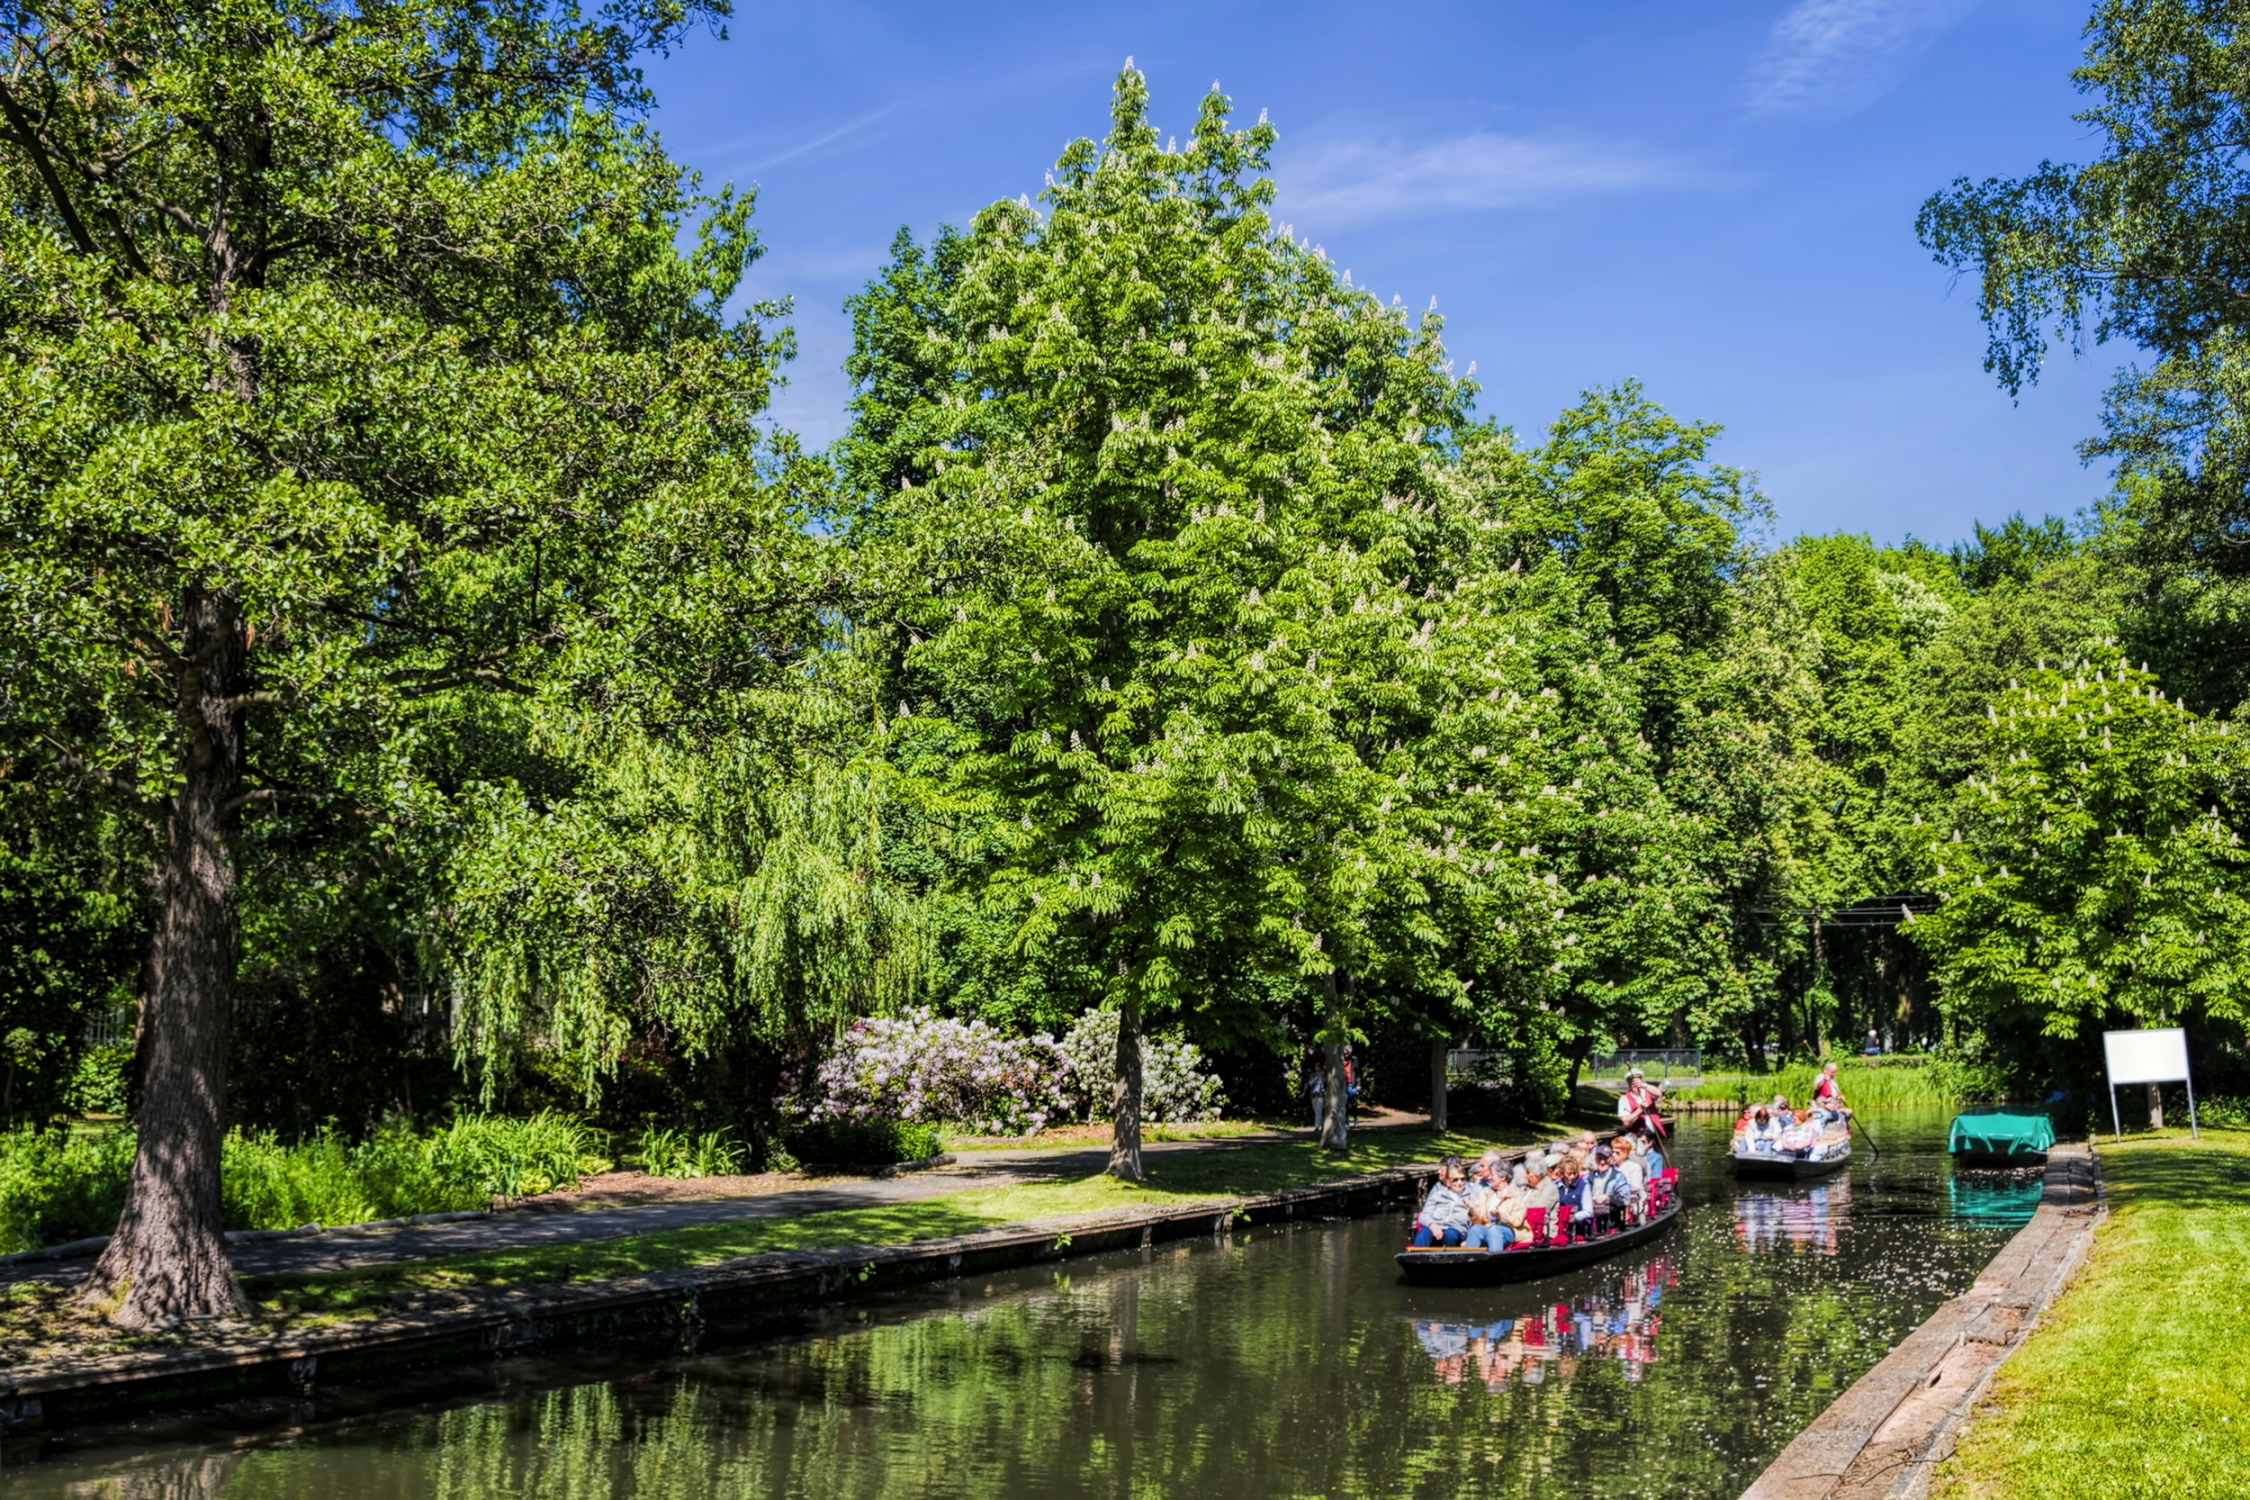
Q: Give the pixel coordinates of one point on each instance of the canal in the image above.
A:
(1280, 1362)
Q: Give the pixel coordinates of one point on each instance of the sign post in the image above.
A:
(2158, 1056)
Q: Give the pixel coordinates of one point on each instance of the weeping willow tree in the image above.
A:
(715, 896)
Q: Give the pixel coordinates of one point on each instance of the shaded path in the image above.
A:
(534, 1226)
(518, 1229)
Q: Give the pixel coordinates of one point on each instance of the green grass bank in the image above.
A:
(2138, 1383)
(1178, 1178)
(39, 1322)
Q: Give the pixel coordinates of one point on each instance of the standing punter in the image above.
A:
(1637, 1106)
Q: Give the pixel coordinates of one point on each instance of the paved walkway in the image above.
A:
(346, 1250)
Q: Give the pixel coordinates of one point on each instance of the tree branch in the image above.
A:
(261, 794)
(23, 135)
(445, 684)
(78, 765)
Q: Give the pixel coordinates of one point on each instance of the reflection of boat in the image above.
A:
(1806, 1221)
(1492, 1267)
(1553, 1335)
(1994, 1200)
(1777, 1166)
(1994, 1136)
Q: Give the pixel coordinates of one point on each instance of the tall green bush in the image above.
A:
(56, 1187)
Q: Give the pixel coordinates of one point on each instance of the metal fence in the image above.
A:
(1476, 1062)
(1662, 1064)
(112, 1028)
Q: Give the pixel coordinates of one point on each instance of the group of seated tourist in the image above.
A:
(1776, 1129)
(1573, 1191)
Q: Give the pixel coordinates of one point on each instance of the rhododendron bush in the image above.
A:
(928, 1067)
(1173, 1091)
(922, 1066)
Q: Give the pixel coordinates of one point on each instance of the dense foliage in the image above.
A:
(56, 1186)
(430, 687)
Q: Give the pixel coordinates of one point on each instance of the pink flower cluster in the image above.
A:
(933, 1069)
(926, 1067)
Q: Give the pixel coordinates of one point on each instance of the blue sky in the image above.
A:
(1717, 199)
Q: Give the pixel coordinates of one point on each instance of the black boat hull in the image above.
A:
(2002, 1160)
(1766, 1168)
(1494, 1268)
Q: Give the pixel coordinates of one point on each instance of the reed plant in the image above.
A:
(1877, 1085)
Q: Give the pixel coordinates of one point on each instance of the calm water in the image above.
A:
(1284, 1362)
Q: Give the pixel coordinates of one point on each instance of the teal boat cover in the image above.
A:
(2004, 1132)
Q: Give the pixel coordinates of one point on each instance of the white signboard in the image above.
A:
(2158, 1056)
(2146, 1056)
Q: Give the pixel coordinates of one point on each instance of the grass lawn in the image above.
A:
(2139, 1382)
(1079, 1137)
(1178, 1178)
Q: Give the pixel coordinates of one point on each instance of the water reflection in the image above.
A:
(2003, 1198)
(1554, 1336)
(1276, 1363)
(1804, 1220)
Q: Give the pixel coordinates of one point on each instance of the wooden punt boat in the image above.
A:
(1996, 1136)
(1494, 1267)
(1773, 1166)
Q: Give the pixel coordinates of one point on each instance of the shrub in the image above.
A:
(676, 1153)
(1174, 1089)
(864, 1143)
(57, 1186)
(498, 1156)
(327, 1180)
(99, 1086)
(930, 1068)
(1476, 1101)
(2224, 1111)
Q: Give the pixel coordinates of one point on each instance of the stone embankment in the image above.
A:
(667, 1309)
(1883, 1438)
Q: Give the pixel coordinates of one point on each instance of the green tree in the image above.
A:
(2146, 243)
(1148, 450)
(358, 375)
(2094, 877)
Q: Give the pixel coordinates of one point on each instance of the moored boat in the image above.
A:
(1996, 1136)
(1494, 1267)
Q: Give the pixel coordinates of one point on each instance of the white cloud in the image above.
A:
(1833, 56)
(1346, 183)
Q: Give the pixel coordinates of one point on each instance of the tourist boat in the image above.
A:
(1780, 1166)
(1995, 1136)
(1493, 1267)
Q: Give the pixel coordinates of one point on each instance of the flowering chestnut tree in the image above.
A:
(2095, 877)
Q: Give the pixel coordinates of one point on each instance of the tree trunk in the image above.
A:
(1576, 1053)
(167, 1261)
(2155, 1107)
(1125, 1111)
(1438, 1048)
(1819, 975)
(1336, 1130)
